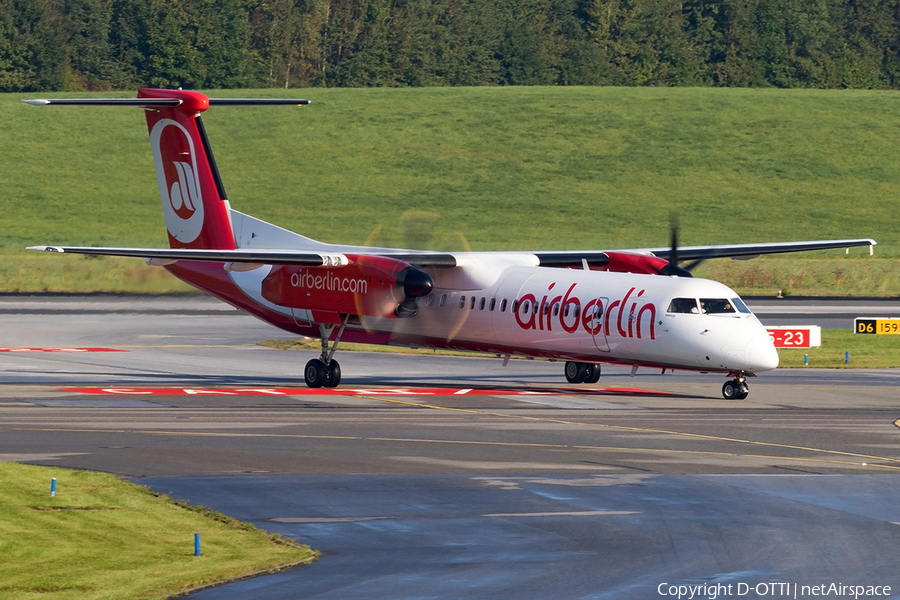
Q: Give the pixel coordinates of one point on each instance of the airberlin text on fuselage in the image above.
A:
(329, 281)
(569, 315)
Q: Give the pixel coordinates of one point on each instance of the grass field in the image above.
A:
(486, 168)
(101, 537)
(866, 352)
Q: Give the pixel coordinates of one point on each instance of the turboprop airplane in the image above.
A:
(628, 307)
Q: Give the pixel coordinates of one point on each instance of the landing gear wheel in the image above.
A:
(591, 373)
(334, 374)
(315, 373)
(575, 372)
(735, 390)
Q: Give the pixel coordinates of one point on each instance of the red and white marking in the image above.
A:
(361, 392)
(796, 336)
(25, 350)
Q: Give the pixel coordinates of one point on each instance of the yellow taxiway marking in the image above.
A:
(586, 447)
(649, 430)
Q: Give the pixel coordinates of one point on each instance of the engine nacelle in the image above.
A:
(632, 262)
(373, 286)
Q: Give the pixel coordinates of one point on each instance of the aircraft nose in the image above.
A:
(763, 356)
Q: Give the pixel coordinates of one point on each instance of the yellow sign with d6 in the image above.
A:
(877, 325)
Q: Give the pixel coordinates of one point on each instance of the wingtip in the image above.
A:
(37, 102)
(45, 248)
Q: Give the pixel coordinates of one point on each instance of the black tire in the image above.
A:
(731, 390)
(575, 372)
(315, 373)
(745, 391)
(592, 373)
(334, 375)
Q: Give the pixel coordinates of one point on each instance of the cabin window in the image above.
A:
(481, 304)
(443, 300)
(515, 305)
(503, 305)
(556, 309)
(739, 304)
(716, 306)
(462, 301)
(472, 304)
(492, 305)
(526, 306)
(683, 305)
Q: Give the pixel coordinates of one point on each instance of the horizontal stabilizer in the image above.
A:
(161, 102)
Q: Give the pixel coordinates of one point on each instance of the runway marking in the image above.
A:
(574, 513)
(24, 350)
(662, 431)
(303, 520)
(366, 392)
(766, 457)
(33, 456)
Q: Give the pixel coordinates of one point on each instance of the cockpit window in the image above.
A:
(739, 304)
(716, 306)
(683, 305)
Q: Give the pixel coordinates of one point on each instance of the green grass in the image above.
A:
(101, 537)
(490, 169)
(866, 351)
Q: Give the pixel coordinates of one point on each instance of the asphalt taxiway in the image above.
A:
(448, 477)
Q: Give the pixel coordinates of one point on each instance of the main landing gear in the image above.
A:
(582, 372)
(736, 389)
(325, 371)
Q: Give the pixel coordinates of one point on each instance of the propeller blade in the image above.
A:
(672, 269)
(673, 247)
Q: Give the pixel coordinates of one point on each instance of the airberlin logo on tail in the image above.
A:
(566, 312)
(179, 184)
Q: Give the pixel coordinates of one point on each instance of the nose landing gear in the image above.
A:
(736, 389)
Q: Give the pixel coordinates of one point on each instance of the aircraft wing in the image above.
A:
(260, 256)
(748, 251)
(444, 260)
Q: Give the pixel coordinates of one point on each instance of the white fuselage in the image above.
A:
(502, 303)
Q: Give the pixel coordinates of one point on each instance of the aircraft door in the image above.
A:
(593, 320)
(503, 314)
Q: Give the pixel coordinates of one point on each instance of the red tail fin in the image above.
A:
(193, 198)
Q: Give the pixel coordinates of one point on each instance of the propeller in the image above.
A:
(417, 229)
(673, 269)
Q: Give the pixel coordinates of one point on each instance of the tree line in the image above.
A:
(48, 45)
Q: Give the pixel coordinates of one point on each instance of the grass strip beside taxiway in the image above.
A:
(101, 537)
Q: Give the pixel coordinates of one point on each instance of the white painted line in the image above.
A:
(579, 513)
(324, 519)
